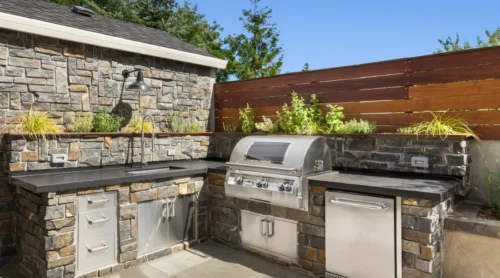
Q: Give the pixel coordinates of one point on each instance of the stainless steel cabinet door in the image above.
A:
(360, 235)
(162, 223)
(282, 238)
(253, 230)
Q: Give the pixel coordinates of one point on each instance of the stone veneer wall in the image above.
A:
(28, 154)
(70, 79)
(422, 228)
(46, 225)
(449, 157)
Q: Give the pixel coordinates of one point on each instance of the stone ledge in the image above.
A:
(465, 219)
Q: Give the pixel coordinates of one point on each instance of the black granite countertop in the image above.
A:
(73, 178)
(388, 184)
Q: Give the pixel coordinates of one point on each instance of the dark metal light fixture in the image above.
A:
(139, 84)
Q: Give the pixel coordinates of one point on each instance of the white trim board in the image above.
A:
(42, 28)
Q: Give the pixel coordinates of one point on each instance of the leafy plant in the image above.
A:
(353, 126)
(301, 118)
(440, 125)
(247, 119)
(313, 128)
(81, 124)
(266, 126)
(194, 127)
(38, 124)
(103, 122)
(177, 122)
(135, 125)
(333, 118)
(229, 127)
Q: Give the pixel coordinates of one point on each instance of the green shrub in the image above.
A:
(229, 127)
(81, 124)
(247, 119)
(301, 118)
(333, 118)
(177, 122)
(353, 126)
(103, 122)
(266, 126)
(38, 125)
(440, 125)
(135, 125)
(194, 127)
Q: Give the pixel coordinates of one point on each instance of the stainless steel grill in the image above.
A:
(274, 169)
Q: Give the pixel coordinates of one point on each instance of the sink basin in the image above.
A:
(153, 171)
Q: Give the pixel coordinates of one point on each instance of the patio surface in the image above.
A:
(209, 259)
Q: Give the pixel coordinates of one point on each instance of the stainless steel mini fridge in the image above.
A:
(363, 236)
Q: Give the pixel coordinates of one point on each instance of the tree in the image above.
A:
(449, 45)
(257, 52)
(305, 67)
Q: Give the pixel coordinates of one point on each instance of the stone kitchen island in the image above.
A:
(62, 212)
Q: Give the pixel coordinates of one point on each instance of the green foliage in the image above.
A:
(256, 52)
(135, 125)
(449, 44)
(305, 67)
(440, 125)
(177, 122)
(301, 118)
(103, 122)
(38, 125)
(229, 127)
(81, 124)
(492, 195)
(194, 127)
(353, 126)
(247, 119)
(333, 118)
(266, 125)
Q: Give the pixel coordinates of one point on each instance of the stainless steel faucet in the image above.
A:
(145, 163)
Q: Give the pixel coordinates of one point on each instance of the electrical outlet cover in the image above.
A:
(59, 158)
(420, 161)
(171, 152)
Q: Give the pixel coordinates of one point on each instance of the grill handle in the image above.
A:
(291, 170)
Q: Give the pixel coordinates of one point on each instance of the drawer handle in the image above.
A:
(270, 228)
(103, 219)
(358, 203)
(263, 232)
(103, 247)
(103, 200)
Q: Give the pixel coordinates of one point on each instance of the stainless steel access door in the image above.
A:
(162, 223)
(361, 236)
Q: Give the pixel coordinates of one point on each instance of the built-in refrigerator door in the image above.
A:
(360, 236)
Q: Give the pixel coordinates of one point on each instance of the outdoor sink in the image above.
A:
(153, 171)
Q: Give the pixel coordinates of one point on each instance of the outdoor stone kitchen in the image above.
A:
(112, 203)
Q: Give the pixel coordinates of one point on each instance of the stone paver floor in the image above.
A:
(209, 260)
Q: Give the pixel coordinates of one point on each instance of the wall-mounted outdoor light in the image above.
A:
(139, 84)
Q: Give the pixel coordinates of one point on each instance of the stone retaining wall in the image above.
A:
(46, 225)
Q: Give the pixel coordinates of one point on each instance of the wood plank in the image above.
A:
(399, 119)
(353, 84)
(354, 71)
(490, 55)
(454, 74)
(324, 97)
(472, 117)
(486, 132)
(482, 87)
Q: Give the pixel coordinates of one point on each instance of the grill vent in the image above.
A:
(82, 10)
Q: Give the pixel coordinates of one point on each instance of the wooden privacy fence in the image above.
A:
(393, 93)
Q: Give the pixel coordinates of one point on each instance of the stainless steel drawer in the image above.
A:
(96, 201)
(96, 252)
(97, 223)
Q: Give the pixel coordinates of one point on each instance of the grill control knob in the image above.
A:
(288, 187)
(259, 183)
(281, 187)
(265, 184)
(239, 180)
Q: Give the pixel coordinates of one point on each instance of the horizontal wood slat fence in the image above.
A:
(393, 93)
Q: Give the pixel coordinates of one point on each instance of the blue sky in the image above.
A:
(331, 33)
